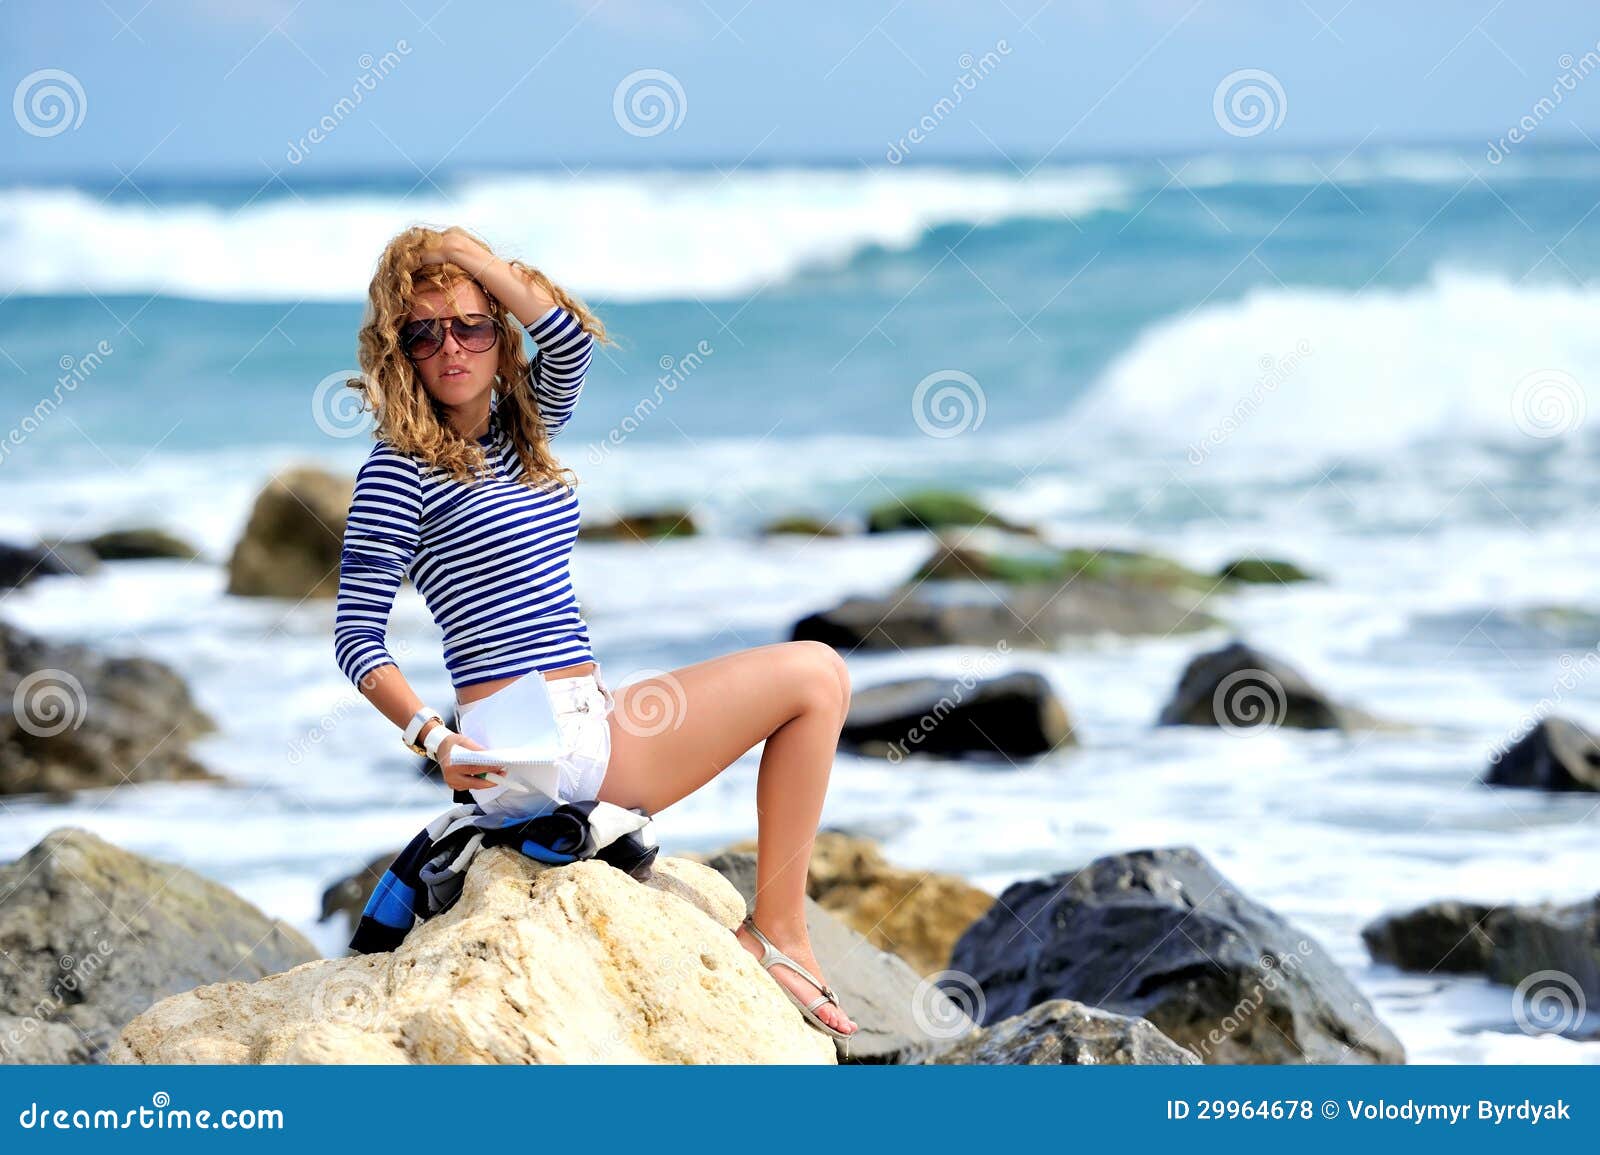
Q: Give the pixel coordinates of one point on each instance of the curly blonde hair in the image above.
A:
(408, 417)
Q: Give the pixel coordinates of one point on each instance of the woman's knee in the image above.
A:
(827, 674)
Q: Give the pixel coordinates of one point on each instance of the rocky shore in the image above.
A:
(1149, 955)
(581, 963)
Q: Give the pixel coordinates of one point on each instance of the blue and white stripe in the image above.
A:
(490, 557)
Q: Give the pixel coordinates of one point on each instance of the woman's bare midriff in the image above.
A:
(484, 689)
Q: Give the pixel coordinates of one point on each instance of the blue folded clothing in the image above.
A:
(426, 877)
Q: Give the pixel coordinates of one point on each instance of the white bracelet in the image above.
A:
(414, 727)
(435, 739)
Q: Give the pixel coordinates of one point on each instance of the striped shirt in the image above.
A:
(489, 557)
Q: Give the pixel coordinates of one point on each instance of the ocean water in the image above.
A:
(1380, 365)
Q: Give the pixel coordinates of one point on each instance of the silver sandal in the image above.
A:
(771, 956)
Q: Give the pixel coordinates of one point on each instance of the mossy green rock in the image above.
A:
(1264, 571)
(933, 509)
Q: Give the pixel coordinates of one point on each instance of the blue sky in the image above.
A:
(234, 86)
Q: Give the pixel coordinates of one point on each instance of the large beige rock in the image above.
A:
(292, 542)
(533, 964)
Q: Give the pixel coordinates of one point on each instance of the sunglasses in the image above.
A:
(423, 338)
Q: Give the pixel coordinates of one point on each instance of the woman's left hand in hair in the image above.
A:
(458, 248)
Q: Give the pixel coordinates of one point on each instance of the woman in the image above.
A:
(463, 495)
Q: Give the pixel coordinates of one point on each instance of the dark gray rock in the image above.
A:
(83, 719)
(1015, 715)
(1240, 687)
(1159, 934)
(94, 934)
(1063, 1033)
(349, 895)
(1441, 936)
(1262, 571)
(135, 544)
(1506, 943)
(1548, 937)
(895, 1009)
(1555, 755)
(1033, 616)
(20, 564)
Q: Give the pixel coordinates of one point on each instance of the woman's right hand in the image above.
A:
(465, 777)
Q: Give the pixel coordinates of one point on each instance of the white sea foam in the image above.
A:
(621, 236)
(1323, 370)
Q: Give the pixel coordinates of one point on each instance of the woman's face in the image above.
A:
(455, 375)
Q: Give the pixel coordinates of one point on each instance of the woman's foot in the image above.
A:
(798, 947)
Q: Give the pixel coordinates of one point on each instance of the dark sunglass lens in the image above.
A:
(477, 333)
(421, 338)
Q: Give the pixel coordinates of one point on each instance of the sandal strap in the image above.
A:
(773, 957)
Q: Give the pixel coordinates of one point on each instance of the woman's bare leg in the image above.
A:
(673, 733)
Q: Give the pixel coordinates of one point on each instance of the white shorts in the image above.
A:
(582, 708)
